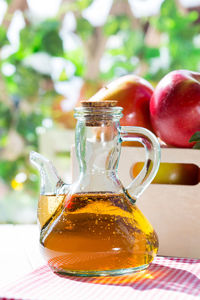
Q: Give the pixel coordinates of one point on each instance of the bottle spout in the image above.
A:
(50, 182)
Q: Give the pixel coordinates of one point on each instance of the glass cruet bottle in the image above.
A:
(93, 227)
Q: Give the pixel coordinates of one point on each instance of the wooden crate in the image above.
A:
(173, 210)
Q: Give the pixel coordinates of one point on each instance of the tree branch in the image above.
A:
(94, 49)
(122, 7)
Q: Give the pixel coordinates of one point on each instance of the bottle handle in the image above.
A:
(152, 155)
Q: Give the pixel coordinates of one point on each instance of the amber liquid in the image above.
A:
(97, 232)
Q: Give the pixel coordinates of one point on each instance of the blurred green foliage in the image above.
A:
(179, 32)
(84, 28)
(28, 95)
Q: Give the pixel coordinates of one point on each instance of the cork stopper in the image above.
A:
(96, 119)
(96, 104)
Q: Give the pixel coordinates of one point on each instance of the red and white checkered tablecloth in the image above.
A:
(166, 278)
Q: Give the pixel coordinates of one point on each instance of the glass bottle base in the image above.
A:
(99, 273)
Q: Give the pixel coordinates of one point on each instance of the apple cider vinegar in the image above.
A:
(97, 231)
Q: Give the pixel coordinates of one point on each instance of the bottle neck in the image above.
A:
(97, 147)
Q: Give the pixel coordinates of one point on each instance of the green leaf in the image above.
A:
(193, 16)
(151, 52)
(26, 82)
(63, 76)
(27, 125)
(5, 116)
(195, 137)
(52, 43)
(83, 4)
(116, 23)
(48, 25)
(111, 27)
(3, 37)
(77, 58)
(8, 169)
(3, 138)
(84, 28)
(42, 37)
(197, 146)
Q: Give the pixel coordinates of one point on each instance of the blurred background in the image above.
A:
(54, 53)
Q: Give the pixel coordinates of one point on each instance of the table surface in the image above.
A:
(26, 276)
(19, 251)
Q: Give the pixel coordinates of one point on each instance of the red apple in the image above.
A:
(175, 107)
(133, 93)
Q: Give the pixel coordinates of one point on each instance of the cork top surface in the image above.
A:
(88, 103)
